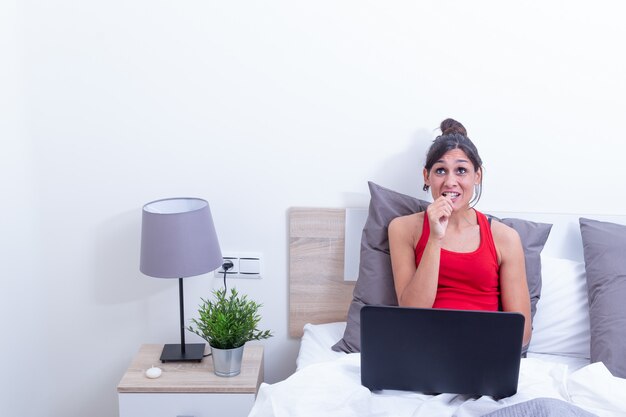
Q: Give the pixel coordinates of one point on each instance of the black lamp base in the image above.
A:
(194, 352)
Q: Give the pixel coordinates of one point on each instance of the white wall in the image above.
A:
(259, 106)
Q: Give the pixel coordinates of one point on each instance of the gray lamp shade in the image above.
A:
(178, 239)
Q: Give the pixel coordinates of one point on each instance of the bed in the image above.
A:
(576, 361)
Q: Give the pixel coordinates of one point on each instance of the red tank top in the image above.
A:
(467, 281)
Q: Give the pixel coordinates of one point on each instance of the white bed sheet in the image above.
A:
(328, 383)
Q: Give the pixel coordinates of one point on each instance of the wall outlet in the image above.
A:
(245, 265)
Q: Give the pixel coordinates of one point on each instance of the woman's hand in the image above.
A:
(439, 213)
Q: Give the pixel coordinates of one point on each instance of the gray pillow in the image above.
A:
(374, 284)
(375, 281)
(604, 248)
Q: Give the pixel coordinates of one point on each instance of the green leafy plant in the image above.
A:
(229, 321)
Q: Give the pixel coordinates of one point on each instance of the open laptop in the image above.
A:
(441, 351)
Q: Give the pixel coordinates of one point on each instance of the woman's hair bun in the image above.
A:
(451, 126)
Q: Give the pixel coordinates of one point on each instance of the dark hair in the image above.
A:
(454, 136)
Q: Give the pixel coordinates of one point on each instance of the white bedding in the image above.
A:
(328, 383)
(316, 342)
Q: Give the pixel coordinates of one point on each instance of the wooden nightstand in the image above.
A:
(188, 388)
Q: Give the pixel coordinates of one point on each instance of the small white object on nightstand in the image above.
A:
(153, 372)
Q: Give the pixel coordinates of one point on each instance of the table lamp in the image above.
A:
(178, 240)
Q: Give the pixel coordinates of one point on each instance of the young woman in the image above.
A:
(452, 256)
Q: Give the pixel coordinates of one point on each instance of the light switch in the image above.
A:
(249, 266)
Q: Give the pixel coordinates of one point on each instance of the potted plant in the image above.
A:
(227, 323)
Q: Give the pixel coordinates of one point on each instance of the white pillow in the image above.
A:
(561, 324)
(316, 342)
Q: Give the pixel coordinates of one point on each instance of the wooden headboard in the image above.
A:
(317, 290)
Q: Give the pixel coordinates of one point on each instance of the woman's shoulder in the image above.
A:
(408, 226)
(409, 219)
(504, 234)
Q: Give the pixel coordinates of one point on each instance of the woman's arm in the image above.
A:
(415, 287)
(513, 285)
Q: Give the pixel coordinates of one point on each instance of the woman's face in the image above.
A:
(453, 175)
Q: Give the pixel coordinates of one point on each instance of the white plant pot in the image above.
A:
(227, 362)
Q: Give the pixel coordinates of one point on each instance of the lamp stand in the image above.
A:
(182, 353)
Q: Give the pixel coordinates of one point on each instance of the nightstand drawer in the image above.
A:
(192, 405)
